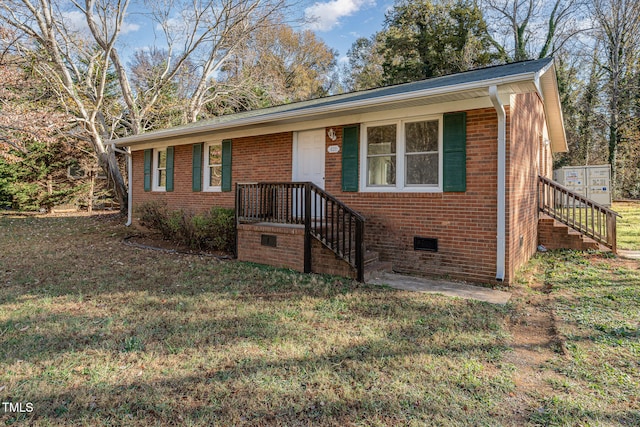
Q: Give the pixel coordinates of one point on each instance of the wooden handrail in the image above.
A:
(325, 218)
(578, 212)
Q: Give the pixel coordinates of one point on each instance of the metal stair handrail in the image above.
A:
(325, 218)
(578, 212)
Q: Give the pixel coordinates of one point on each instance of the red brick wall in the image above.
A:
(524, 156)
(289, 252)
(463, 223)
(325, 261)
(262, 158)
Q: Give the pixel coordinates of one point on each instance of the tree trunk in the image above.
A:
(614, 137)
(49, 192)
(92, 185)
(109, 164)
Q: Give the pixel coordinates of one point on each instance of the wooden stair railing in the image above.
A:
(578, 212)
(325, 218)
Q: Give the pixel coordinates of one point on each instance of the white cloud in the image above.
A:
(326, 16)
(77, 21)
(128, 27)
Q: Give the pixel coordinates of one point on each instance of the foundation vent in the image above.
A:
(425, 244)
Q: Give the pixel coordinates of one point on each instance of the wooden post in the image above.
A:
(611, 232)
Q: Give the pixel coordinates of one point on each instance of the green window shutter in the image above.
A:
(350, 158)
(455, 152)
(197, 168)
(169, 186)
(226, 165)
(148, 158)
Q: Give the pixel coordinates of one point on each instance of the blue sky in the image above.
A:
(337, 22)
(340, 22)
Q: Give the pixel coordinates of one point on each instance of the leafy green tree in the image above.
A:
(37, 179)
(365, 70)
(6, 176)
(424, 39)
(168, 109)
(581, 110)
(35, 150)
(77, 58)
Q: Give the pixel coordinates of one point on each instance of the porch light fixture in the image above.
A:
(331, 133)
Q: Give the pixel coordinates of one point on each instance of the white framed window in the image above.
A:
(159, 169)
(212, 166)
(402, 155)
(381, 155)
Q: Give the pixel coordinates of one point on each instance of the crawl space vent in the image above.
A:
(269, 240)
(425, 244)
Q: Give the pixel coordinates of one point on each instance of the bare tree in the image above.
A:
(618, 32)
(524, 21)
(290, 65)
(84, 66)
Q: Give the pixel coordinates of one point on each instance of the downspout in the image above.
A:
(502, 167)
(129, 182)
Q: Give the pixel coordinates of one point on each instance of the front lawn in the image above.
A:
(628, 225)
(95, 332)
(595, 300)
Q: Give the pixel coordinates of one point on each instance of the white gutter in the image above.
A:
(502, 167)
(304, 111)
(129, 181)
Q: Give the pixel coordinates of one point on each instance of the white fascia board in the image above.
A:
(346, 118)
(548, 90)
(322, 109)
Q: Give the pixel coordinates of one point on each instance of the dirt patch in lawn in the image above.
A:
(535, 341)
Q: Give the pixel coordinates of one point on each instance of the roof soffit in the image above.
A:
(420, 94)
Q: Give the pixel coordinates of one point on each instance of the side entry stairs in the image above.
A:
(569, 220)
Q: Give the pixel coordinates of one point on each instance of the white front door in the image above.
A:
(308, 166)
(308, 157)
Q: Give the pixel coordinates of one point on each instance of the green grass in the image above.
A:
(93, 332)
(629, 225)
(596, 300)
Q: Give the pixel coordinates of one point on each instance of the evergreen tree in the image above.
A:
(424, 39)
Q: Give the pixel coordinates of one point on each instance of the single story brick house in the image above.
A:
(437, 177)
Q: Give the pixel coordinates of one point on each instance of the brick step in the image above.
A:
(555, 235)
(374, 270)
(370, 257)
(372, 264)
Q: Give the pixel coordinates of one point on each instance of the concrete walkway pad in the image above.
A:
(629, 254)
(454, 289)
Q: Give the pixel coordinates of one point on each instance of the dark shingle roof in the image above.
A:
(337, 101)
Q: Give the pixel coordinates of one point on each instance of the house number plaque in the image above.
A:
(333, 149)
